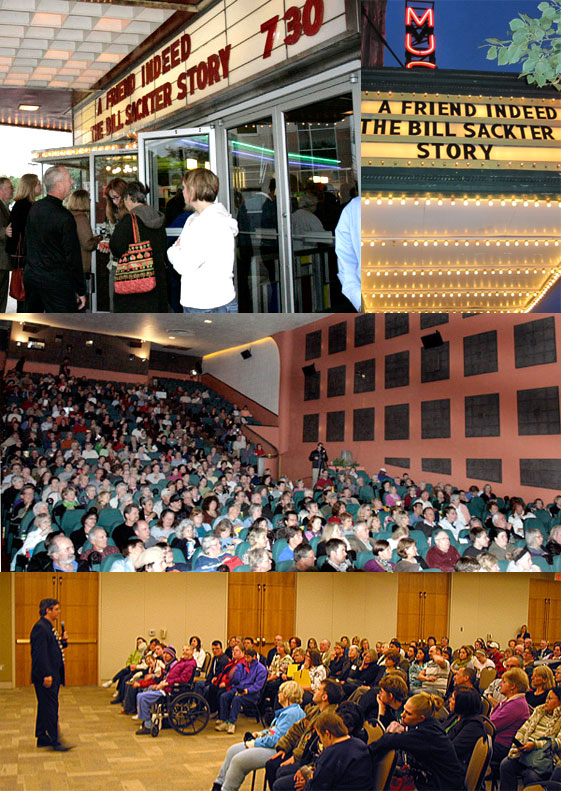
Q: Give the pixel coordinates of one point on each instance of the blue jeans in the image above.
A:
(231, 307)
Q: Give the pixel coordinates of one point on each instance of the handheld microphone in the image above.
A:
(62, 627)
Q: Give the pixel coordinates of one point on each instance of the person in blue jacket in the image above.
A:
(241, 759)
(247, 682)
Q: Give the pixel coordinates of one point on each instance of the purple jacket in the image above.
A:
(181, 673)
(508, 717)
(251, 678)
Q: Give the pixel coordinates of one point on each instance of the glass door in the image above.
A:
(163, 159)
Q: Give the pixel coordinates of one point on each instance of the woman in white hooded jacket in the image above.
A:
(205, 252)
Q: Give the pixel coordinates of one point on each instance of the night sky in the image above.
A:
(461, 27)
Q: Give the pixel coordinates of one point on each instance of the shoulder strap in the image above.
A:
(135, 227)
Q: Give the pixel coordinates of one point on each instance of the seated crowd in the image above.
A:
(119, 477)
(332, 713)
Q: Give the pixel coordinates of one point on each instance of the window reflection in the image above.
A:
(253, 192)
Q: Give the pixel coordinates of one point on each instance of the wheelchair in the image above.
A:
(183, 709)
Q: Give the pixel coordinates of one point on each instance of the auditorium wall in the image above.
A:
(256, 377)
(488, 604)
(6, 646)
(482, 407)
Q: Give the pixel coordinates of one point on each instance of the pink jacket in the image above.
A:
(181, 673)
(508, 717)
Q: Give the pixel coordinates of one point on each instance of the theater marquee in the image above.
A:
(226, 46)
(412, 130)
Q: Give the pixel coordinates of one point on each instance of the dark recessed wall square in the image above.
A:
(338, 337)
(313, 345)
(398, 461)
(310, 428)
(363, 425)
(538, 411)
(312, 386)
(336, 381)
(485, 469)
(396, 324)
(439, 466)
(397, 370)
(435, 419)
(365, 376)
(396, 422)
(483, 417)
(480, 354)
(335, 427)
(365, 329)
(545, 473)
(433, 320)
(435, 363)
(534, 343)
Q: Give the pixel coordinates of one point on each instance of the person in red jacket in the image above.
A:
(179, 673)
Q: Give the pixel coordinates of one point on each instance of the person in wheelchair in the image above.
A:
(257, 748)
(247, 682)
(180, 673)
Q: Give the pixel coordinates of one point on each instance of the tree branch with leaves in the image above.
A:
(536, 43)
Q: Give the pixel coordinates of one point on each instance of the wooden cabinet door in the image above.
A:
(78, 596)
(261, 606)
(422, 609)
(544, 610)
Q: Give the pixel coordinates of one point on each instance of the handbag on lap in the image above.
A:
(135, 273)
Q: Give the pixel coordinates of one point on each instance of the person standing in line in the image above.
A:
(347, 248)
(79, 206)
(47, 673)
(204, 254)
(27, 191)
(53, 277)
(6, 192)
(318, 457)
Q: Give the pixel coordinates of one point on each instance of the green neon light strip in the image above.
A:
(263, 150)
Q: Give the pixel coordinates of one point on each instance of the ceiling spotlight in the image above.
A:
(29, 108)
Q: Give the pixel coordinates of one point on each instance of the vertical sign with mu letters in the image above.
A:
(420, 43)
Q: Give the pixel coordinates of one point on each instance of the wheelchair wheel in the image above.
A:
(155, 729)
(189, 713)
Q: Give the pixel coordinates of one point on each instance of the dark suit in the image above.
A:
(53, 272)
(46, 660)
(5, 265)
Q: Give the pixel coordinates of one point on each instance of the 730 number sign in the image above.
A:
(305, 21)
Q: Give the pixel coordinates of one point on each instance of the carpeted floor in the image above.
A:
(107, 755)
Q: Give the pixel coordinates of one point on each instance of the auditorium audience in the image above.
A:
(164, 470)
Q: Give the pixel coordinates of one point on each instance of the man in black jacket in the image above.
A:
(47, 673)
(54, 276)
(215, 669)
(318, 457)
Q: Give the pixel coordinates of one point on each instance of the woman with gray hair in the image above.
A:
(257, 748)
(150, 225)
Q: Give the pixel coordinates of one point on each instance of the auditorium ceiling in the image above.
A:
(200, 334)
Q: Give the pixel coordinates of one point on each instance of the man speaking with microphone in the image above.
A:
(47, 673)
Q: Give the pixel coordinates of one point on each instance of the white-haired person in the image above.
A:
(253, 753)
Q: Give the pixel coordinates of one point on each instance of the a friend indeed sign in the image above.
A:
(228, 44)
(436, 129)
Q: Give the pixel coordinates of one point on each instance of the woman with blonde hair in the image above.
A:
(432, 759)
(253, 753)
(28, 188)
(542, 681)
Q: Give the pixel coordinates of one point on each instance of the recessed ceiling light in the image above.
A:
(207, 321)
(171, 337)
(29, 108)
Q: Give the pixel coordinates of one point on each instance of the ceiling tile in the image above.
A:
(25, 52)
(7, 51)
(12, 30)
(47, 19)
(79, 22)
(70, 36)
(9, 42)
(139, 27)
(111, 24)
(40, 32)
(98, 35)
(87, 9)
(54, 6)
